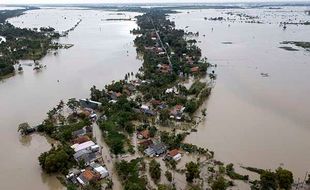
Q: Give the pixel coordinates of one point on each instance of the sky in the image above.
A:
(127, 1)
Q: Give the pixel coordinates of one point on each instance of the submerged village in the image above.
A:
(142, 119)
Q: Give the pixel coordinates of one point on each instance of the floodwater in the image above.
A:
(254, 120)
(103, 51)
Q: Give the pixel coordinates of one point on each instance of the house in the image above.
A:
(86, 176)
(155, 102)
(86, 103)
(145, 107)
(86, 111)
(172, 90)
(100, 169)
(145, 134)
(115, 95)
(146, 143)
(149, 112)
(149, 48)
(85, 155)
(85, 145)
(164, 68)
(81, 139)
(79, 133)
(130, 87)
(155, 149)
(169, 90)
(93, 116)
(177, 112)
(195, 69)
(162, 106)
(95, 148)
(174, 154)
(146, 110)
(72, 175)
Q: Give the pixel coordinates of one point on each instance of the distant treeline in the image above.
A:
(6, 14)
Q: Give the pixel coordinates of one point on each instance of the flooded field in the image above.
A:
(258, 112)
(103, 51)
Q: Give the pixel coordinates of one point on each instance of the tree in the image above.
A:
(57, 160)
(60, 105)
(153, 131)
(168, 175)
(268, 180)
(192, 171)
(155, 170)
(23, 128)
(285, 178)
(164, 115)
(191, 106)
(204, 112)
(73, 104)
(95, 94)
(219, 184)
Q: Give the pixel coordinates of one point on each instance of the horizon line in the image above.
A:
(165, 3)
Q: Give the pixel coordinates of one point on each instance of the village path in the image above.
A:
(106, 156)
(161, 43)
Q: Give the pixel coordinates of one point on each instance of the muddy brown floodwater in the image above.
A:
(252, 120)
(255, 120)
(103, 51)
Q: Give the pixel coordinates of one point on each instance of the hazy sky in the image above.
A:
(125, 1)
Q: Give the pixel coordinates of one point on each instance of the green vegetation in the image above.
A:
(22, 43)
(255, 170)
(168, 175)
(230, 171)
(193, 148)
(155, 170)
(192, 171)
(5, 14)
(281, 178)
(58, 159)
(268, 180)
(129, 174)
(62, 133)
(285, 178)
(220, 184)
(172, 140)
(196, 88)
(120, 116)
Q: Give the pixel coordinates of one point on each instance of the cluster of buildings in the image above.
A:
(87, 153)
(155, 148)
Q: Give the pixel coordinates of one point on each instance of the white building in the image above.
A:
(85, 145)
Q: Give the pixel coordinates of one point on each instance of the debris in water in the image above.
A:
(264, 74)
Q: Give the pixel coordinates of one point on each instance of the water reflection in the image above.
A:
(25, 140)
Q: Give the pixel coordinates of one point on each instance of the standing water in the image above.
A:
(258, 112)
(103, 51)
